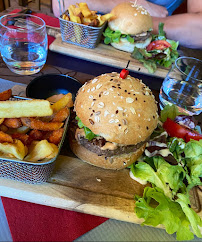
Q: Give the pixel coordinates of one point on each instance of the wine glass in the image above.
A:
(183, 86)
(24, 43)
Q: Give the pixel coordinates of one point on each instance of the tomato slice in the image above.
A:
(173, 129)
(176, 130)
(124, 73)
(192, 135)
(158, 45)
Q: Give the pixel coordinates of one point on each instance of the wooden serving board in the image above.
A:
(80, 187)
(104, 54)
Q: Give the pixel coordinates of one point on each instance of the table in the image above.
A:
(110, 230)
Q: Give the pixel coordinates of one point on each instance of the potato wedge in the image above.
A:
(25, 108)
(65, 101)
(41, 150)
(55, 151)
(16, 149)
(5, 95)
(5, 138)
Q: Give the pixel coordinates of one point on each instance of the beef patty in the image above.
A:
(96, 144)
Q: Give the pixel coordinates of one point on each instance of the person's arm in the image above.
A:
(105, 6)
(186, 28)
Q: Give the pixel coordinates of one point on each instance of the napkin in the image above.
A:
(33, 222)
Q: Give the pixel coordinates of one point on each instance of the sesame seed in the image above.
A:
(117, 111)
(91, 97)
(97, 119)
(119, 108)
(93, 89)
(88, 90)
(112, 115)
(116, 121)
(132, 110)
(124, 121)
(147, 127)
(92, 104)
(129, 100)
(105, 93)
(91, 121)
(101, 105)
(98, 113)
(111, 121)
(98, 86)
(106, 113)
(94, 80)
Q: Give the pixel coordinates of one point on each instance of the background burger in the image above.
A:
(114, 119)
(130, 27)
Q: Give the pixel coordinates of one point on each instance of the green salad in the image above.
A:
(167, 202)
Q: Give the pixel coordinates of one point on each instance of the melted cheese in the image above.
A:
(109, 146)
(163, 152)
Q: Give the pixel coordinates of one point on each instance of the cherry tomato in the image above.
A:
(158, 45)
(124, 73)
(176, 130)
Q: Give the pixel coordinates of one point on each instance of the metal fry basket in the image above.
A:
(80, 34)
(29, 172)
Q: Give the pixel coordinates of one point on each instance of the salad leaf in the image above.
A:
(88, 133)
(193, 156)
(114, 36)
(176, 216)
(177, 146)
(168, 54)
(170, 111)
(157, 171)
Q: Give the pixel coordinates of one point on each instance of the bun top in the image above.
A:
(123, 111)
(130, 19)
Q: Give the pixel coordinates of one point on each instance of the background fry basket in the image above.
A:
(29, 172)
(80, 34)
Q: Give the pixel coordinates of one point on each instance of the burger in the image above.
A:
(130, 27)
(114, 119)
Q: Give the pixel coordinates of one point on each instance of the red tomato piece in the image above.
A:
(173, 129)
(192, 135)
(158, 45)
(124, 73)
(176, 130)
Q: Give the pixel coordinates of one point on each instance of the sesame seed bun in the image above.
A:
(123, 111)
(130, 19)
(116, 162)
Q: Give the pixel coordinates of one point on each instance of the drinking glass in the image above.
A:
(24, 43)
(183, 86)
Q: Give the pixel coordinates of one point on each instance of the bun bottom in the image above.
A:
(116, 162)
(125, 45)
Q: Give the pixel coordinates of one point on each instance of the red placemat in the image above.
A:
(51, 21)
(33, 222)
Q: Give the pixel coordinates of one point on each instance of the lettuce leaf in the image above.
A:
(176, 216)
(156, 170)
(88, 133)
(114, 36)
(169, 111)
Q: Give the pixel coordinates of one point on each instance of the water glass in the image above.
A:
(183, 86)
(24, 43)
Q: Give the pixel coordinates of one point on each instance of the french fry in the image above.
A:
(55, 136)
(5, 138)
(36, 134)
(16, 149)
(5, 95)
(65, 101)
(103, 18)
(1, 120)
(24, 138)
(73, 18)
(61, 115)
(13, 123)
(85, 10)
(25, 108)
(40, 125)
(41, 150)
